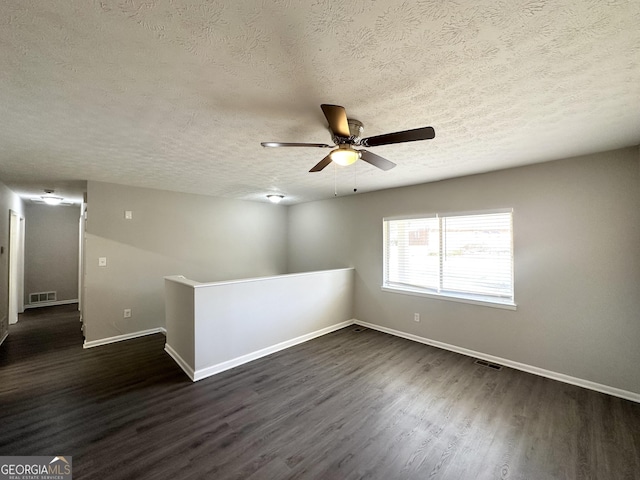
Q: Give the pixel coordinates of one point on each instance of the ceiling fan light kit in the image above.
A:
(346, 133)
(344, 155)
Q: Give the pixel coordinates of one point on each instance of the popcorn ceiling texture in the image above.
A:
(177, 95)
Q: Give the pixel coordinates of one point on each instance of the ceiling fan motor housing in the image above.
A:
(355, 130)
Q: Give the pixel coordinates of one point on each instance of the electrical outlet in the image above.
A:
(416, 317)
(128, 214)
(127, 313)
(102, 261)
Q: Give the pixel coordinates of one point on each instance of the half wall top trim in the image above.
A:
(192, 283)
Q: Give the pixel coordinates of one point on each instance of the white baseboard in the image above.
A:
(51, 304)
(182, 363)
(235, 362)
(6, 334)
(120, 338)
(561, 377)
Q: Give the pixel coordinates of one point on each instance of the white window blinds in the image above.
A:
(470, 256)
(412, 252)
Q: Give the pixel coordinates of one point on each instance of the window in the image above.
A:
(466, 257)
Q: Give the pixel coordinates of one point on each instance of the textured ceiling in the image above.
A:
(177, 95)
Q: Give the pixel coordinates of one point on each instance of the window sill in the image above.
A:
(506, 305)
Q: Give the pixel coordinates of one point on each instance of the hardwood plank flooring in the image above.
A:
(348, 405)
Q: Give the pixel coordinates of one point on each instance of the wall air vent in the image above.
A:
(42, 297)
(483, 363)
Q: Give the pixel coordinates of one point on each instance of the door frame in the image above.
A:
(16, 266)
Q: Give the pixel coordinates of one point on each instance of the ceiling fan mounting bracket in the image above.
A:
(355, 130)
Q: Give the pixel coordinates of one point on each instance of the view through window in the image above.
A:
(464, 256)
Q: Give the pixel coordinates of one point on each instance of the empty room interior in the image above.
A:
(324, 239)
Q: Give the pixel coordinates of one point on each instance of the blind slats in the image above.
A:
(467, 254)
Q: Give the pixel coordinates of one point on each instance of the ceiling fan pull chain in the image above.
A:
(335, 180)
(355, 178)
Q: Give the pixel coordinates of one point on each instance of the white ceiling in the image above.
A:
(178, 94)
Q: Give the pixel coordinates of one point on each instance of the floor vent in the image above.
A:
(359, 329)
(494, 366)
(42, 297)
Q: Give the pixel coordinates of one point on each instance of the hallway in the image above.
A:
(57, 397)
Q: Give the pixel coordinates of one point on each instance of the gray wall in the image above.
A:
(577, 263)
(8, 201)
(51, 250)
(203, 238)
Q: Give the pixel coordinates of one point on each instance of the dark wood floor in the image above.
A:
(349, 405)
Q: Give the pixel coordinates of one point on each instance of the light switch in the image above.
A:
(102, 261)
(128, 214)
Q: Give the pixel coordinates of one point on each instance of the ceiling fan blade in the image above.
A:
(321, 164)
(424, 133)
(285, 144)
(376, 160)
(337, 118)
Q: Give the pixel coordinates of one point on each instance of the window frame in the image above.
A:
(474, 299)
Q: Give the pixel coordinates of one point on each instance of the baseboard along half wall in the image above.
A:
(125, 336)
(182, 363)
(202, 373)
(4, 337)
(561, 377)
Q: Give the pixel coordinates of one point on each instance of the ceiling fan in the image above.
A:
(346, 132)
